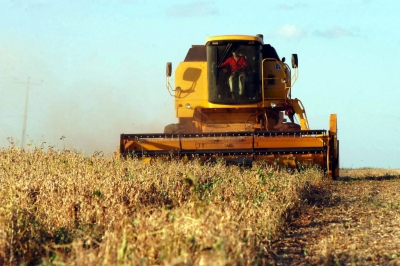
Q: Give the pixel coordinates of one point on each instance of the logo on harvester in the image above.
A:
(277, 67)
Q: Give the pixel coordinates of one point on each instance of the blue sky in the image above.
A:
(97, 68)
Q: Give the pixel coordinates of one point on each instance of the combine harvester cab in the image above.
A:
(233, 101)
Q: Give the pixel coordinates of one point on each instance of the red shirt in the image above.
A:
(240, 64)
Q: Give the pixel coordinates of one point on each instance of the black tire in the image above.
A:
(171, 129)
(335, 164)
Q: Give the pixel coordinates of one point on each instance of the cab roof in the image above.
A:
(235, 38)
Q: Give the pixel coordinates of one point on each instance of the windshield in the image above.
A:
(234, 72)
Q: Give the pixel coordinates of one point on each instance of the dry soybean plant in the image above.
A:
(59, 206)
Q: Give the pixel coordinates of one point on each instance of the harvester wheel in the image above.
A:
(336, 164)
(171, 129)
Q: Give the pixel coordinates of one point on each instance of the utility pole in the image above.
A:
(27, 83)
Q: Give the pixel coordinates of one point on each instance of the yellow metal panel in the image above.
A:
(288, 142)
(184, 112)
(217, 143)
(191, 81)
(274, 72)
(224, 143)
(234, 38)
(292, 160)
(240, 148)
(333, 123)
(158, 144)
(301, 113)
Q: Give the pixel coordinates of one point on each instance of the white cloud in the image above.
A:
(289, 31)
(337, 32)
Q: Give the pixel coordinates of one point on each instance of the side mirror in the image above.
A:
(169, 69)
(295, 61)
(283, 59)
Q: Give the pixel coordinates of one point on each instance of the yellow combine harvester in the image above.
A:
(233, 101)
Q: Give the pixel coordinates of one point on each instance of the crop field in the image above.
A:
(359, 225)
(59, 207)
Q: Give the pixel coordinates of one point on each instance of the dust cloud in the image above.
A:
(83, 104)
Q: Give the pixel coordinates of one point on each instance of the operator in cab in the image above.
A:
(238, 66)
